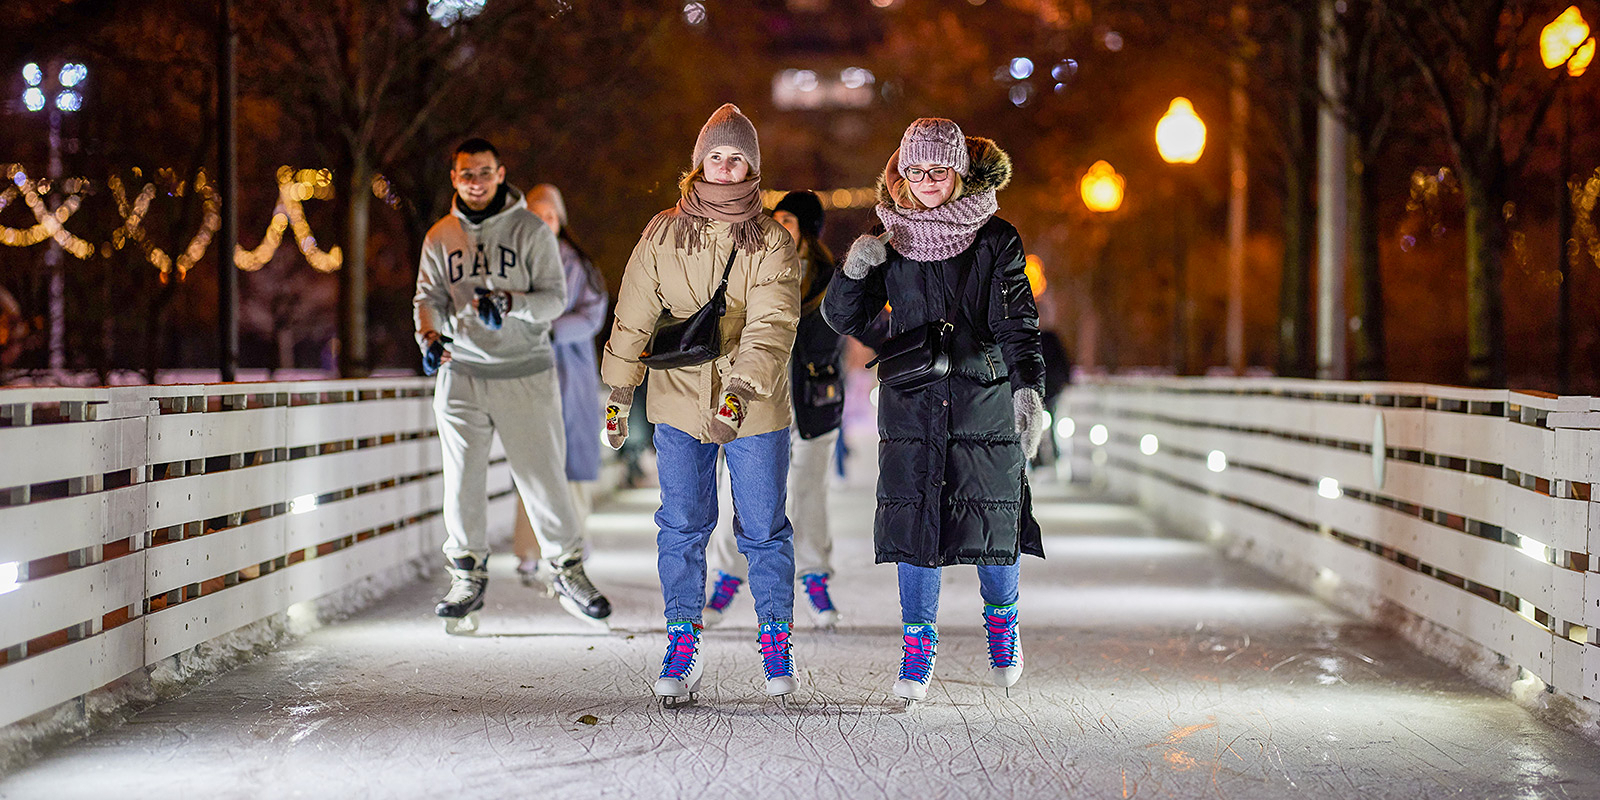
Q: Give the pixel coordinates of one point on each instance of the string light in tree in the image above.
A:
(295, 187)
(133, 218)
(50, 224)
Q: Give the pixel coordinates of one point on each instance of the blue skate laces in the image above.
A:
(723, 590)
(1000, 623)
(920, 643)
(817, 590)
(682, 641)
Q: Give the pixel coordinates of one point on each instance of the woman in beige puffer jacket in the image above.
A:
(738, 403)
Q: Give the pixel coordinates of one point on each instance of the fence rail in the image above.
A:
(1471, 510)
(139, 522)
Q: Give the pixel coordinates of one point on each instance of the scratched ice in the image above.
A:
(1155, 668)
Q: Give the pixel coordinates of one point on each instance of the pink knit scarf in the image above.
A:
(937, 233)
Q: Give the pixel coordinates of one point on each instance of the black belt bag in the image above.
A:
(823, 386)
(696, 340)
(915, 358)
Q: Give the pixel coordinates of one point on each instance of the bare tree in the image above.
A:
(1472, 59)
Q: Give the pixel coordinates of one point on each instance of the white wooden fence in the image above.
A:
(1468, 510)
(139, 522)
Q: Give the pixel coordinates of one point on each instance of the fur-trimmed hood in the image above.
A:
(989, 169)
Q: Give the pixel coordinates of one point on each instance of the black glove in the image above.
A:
(492, 307)
(434, 355)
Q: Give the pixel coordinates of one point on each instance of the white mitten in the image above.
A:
(617, 407)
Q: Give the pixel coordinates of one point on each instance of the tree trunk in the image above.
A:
(1486, 345)
(1367, 341)
(353, 362)
(1238, 191)
(1294, 291)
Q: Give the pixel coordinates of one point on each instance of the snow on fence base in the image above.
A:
(152, 534)
(1462, 518)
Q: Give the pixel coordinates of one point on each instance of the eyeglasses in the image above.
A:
(916, 174)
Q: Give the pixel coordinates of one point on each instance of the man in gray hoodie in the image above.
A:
(489, 285)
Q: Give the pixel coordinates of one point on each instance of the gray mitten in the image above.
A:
(866, 252)
(1028, 413)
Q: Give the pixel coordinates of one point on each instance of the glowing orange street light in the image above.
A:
(1033, 267)
(1180, 135)
(1102, 188)
(1566, 41)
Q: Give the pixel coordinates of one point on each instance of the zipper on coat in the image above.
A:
(988, 359)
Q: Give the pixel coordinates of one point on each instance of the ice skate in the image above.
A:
(568, 582)
(916, 663)
(722, 594)
(680, 669)
(816, 585)
(777, 659)
(534, 574)
(1005, 649)
(459, 608)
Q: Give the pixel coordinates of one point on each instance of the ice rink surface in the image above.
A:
(1155, 669)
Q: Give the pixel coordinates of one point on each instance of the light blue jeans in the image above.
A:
(919, 589)
(758, 468)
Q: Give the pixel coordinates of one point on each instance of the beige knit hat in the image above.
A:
(547, 192)
(729, 127)
(932, 140)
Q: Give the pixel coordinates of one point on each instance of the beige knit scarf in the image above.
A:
(737, 203)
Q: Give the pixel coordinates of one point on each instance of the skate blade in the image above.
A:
(576, 611)
(461, 626)
(678, 702)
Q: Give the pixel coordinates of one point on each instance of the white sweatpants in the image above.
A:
(526, 412)
(523, 541)
(808, 510)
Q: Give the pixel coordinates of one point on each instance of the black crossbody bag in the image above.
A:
(696, 340)
(915, 358)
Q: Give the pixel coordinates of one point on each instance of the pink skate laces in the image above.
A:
(774, 640)
(920, 643)
(1000, 623)
(683, 639)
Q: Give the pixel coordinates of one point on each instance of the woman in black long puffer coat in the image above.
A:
(951, 483)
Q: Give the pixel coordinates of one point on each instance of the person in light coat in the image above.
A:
(577, 372)
(737, 404)
(489, 285)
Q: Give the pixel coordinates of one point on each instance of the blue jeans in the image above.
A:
(758, 468)
(919, 589)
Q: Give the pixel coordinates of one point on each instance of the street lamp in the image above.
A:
(1565, 42)
(1180, 135)
(63, 95)
(1102, 188)
(1181, 139)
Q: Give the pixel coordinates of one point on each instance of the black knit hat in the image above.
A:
(805, 206)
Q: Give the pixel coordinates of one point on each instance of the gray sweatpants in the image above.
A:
(526, 412)
(808, 511)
